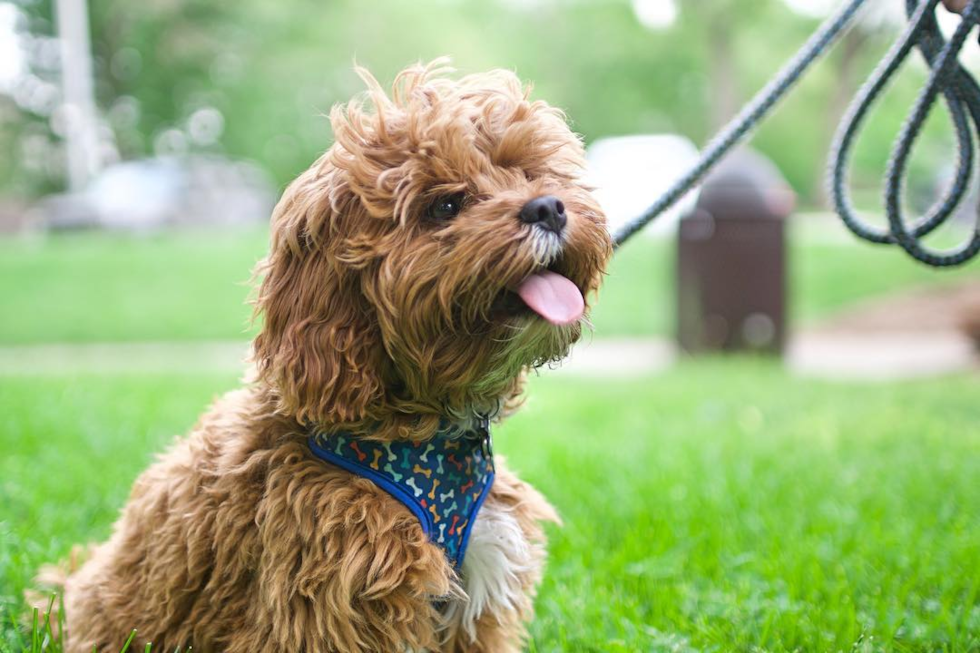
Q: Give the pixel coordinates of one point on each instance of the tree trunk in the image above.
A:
(724, 89)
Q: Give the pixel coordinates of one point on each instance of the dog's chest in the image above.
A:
(442, 481)
(498, 557)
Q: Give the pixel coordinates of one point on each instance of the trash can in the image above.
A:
(731, 260)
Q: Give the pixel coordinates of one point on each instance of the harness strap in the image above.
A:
(443, 481)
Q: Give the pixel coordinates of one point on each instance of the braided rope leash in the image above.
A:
(947, 77)
(962, 96)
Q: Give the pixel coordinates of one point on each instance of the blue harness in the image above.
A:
(443, 481)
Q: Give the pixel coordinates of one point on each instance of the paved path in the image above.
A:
(882, 356)
(215, 357)
(872, 356)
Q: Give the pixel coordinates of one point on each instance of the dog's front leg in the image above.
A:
(343, 568)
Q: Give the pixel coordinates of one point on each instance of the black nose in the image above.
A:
(547, 211)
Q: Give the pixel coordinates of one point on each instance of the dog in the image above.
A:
(443, 246)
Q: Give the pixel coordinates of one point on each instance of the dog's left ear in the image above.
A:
(319, 347)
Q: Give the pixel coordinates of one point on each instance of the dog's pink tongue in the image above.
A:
(553, 297)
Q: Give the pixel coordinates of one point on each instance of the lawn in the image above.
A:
(721, 506)
(98, 287)
(194, 285)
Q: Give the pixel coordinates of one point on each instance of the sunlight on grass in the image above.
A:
(721, 506)
(99, 287)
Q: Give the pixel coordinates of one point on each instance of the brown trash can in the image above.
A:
(731, 260)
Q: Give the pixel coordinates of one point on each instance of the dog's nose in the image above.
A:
(547, 211)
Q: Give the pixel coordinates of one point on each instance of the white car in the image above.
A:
(630, 173)
(166, 191)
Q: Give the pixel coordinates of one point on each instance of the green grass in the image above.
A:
(722, 506)
(193, 285)
(98, 287)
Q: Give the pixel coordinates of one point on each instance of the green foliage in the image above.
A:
(273, 70)
(722, 506)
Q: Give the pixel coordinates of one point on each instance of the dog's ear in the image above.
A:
(319, 348)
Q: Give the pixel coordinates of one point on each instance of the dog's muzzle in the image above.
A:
(546, 212)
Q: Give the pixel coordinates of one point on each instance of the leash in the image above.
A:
(946, 78)
(962, 96)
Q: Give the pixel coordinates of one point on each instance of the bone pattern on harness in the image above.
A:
(445, 498)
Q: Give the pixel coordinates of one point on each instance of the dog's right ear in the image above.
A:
(319, 348)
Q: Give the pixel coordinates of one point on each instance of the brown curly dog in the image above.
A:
(441, 247)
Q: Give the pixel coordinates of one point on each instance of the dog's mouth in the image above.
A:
(548, 294)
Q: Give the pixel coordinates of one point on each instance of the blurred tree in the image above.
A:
(252, 79)
(719, 25)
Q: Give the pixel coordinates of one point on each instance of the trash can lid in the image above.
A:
(747, 183)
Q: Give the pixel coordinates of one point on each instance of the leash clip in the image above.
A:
(483, 429)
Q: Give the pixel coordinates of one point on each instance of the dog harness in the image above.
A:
(443, 481)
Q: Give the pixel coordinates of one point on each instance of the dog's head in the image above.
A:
(442, 245)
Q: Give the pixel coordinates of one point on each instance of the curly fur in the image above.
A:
(378, 320)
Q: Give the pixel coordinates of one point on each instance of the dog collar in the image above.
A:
(443, 481)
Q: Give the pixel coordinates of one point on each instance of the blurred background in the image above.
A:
(791, 413)
(250, 83)
(147, 123)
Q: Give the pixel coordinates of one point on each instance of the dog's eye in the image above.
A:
(446, 208)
